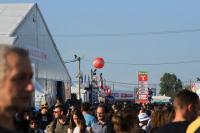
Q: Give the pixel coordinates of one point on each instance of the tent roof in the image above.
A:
(11, 15)
(7, 40)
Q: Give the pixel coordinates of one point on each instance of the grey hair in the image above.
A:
(6, 50)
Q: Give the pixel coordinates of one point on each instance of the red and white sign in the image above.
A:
(142, 76)
(143, 97)
(142, 92)
(142, 86)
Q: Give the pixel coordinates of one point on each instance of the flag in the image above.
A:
(101, 83)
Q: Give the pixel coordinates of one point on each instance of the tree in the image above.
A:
(170, 84)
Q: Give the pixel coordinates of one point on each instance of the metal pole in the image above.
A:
(138, 89)
(79, 78)
(91, 86)
(113, 86)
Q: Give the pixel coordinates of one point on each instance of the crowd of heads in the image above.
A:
(75, 117)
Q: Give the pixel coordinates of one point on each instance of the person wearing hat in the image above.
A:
(44, 117)
(143, 121)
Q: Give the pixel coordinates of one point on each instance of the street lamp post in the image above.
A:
(79, 77)
(79, 73)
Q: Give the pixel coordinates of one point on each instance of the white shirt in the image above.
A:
(77, 130)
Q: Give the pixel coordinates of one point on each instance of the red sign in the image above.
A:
(142, 86)
(143, 97)
(142, 76)
(142, 101)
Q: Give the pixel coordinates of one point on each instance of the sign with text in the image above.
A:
(142, 76)
(142, 85)
(123, 95)
(37, 53)
(143, 97)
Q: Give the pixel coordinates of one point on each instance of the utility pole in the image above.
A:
(79, 73)
(79, 77)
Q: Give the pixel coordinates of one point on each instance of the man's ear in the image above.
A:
(62, 112)
(189, 107)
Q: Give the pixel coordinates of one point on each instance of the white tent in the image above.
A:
(38, 87)
(23, 25)
(160, 99)
(84, 93)
(40, 94)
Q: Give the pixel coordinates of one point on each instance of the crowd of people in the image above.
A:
(16, 116)
(118, 117)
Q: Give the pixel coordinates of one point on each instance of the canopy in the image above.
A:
(160, 99)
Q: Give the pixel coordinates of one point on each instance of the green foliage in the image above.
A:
(170, 85)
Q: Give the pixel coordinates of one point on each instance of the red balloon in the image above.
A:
(98, 63)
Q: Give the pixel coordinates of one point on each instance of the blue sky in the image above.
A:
(126, 16)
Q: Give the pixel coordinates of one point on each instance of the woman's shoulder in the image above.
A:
(88, 129)
(76, 130)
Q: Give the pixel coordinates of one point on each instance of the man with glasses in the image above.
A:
(102, 126)
(59, 124)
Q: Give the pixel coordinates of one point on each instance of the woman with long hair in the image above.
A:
(77, 123)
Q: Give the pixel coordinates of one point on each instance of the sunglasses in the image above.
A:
(55, 112)
(32, 122)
